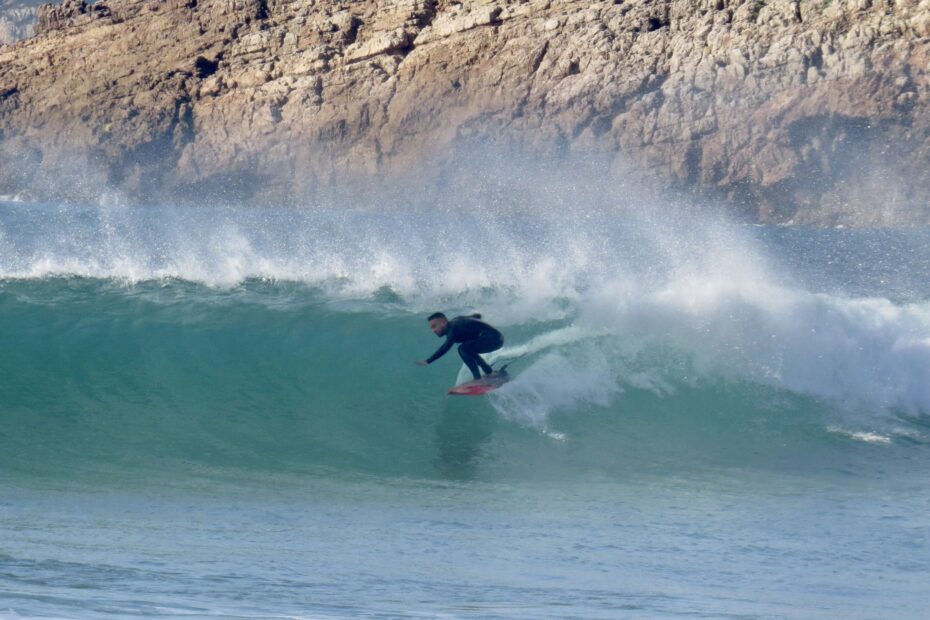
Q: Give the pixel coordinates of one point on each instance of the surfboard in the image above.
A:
(479, 387)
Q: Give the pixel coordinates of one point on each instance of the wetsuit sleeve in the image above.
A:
(442, 350)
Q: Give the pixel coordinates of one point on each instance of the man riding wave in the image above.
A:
(473, 335)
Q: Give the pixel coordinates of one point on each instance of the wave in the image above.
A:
(249, 341)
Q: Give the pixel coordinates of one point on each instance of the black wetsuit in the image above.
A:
(475, 337)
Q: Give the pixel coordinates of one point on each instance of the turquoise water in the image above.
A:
(214, 412)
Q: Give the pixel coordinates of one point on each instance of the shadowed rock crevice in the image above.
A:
(204, 67)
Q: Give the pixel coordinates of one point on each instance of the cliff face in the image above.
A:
(17, 18)
(811, 111)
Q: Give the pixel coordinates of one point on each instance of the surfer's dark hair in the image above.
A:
(436, 315)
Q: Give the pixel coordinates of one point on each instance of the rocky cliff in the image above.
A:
(806, 111)
(16, 20)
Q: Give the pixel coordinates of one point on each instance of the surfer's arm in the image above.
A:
(440, 351)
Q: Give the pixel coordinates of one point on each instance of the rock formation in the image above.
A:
(812, 111)
(17, 18)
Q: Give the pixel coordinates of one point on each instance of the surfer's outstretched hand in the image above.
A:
(421, 363)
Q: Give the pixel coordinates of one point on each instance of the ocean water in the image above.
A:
(213, 412)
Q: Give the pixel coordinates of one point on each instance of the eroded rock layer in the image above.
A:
(810, 111)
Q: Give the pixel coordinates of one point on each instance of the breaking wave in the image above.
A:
(228, 340)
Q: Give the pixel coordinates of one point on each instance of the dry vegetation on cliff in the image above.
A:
(810, 111)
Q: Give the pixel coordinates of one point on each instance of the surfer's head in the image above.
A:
(438, 323)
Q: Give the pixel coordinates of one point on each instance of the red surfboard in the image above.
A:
(478, 387)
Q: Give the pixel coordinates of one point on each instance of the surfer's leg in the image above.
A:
(486, 344)
(484, 365)
(471, 359)
(471, 349)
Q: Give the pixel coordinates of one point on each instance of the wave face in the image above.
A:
(239, 342)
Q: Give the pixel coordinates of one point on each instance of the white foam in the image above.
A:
(863, 436)
(557, 383)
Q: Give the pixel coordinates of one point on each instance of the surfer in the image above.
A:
(473, 335)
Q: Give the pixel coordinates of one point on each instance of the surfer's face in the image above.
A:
(439, 326)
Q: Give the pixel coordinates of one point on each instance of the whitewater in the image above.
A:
(214, 412)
